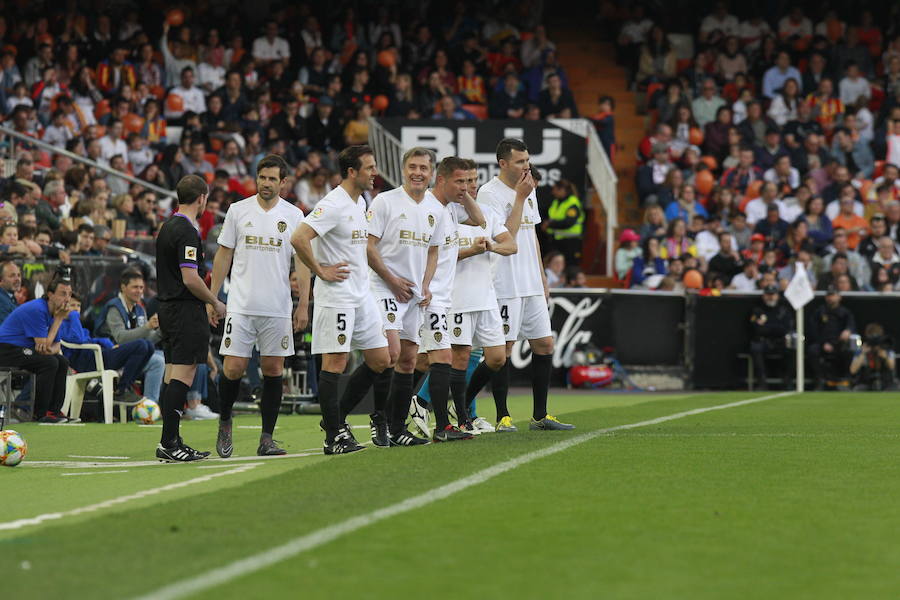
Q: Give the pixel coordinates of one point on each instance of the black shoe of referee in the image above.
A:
(379, 429)
(343, 429)
(405, 438)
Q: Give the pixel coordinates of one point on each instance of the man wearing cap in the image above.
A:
(829, 342)
(626, 253)
(771, 320)
(756, 249)
(323, 127)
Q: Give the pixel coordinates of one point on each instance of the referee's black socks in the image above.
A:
(172, 405)
(271, 402)
(400, 397)
(541, 367)
(357, 386)
(228, 393)
(439, 389)
(328, 401)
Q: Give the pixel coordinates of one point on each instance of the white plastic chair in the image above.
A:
(76, 383)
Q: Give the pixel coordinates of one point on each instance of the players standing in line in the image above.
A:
(332, 242)
(450, 191)
(475, 317)
(255, 245)
(519, 279)
(403, 253)
(182, 318)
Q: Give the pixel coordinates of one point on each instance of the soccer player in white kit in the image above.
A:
(450, 191)
(519, 279)
(475, 314)
(332, 242)
(403, 253)
(254, 245)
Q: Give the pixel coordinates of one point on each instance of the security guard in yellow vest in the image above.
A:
(566, 222)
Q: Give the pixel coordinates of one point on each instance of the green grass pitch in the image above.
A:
(794, 497)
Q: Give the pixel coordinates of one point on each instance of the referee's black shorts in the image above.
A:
(185, 332)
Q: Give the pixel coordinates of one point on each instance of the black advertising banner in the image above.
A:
(556, 153)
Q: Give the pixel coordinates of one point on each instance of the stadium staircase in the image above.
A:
(592, 71)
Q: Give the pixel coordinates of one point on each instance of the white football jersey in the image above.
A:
(442, 282)
(260, 270)
(342, 237)
(407, 228)
(517, 275)
(473, 288)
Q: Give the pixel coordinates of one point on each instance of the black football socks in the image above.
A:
(381, 389)
(357, 387)
(228, 393)
(458, 391)
(439, 389)
(172, 406)
(328, 401)
(271, 402)
(398, 403)
(500, 389)
(541, 367)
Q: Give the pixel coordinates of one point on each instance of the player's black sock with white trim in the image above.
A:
(328, 401)
(439, 389)
(172, 405)
(381, 390)
(541, 367)
(357, 387)
(401, 392)
(500, 389)
(271, 402)
(458, 391)
(228, 393)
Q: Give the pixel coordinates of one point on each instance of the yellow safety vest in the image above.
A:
(561, 210)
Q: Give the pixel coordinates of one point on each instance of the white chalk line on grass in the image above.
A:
(100, 457)
(93, 473)
(22, 523)
(322, 536)
(72, 464)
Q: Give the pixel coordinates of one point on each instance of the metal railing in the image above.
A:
(602, 177)
(50, 148)
(388, 153)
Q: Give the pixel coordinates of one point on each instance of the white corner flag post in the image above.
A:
(799, 293)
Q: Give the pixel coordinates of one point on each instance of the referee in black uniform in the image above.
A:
(183, 321)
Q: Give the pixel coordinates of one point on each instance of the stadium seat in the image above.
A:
(7, 396)
(77, 382)
(479, 110)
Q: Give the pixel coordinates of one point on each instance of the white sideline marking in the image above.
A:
(73, 464)
(100, 457)
(62, 424)
(93, 473)
(322, 536)
(21, 523)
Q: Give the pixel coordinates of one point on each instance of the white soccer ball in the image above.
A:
(12, 448)
(146, 412)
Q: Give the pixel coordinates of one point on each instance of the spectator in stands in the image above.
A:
(554, 268)
(192, 98)
(687, 205)
(115, 72)
(654, 223)
(726, 261)
(786, 103)
(857, 266)
(772, 321)
(829, 348)
(826, 109)
(847, 219)
(470, 84)
(356, 131)
(632, 37)
(887, 257)
(731, 60)
(648, 267)
(715, 137)
(804, 255)
(84, 245)
(811, 147)
(628, 250)
(176, 60)
(706, 106)
(29, 340)
(783, 175)
(575, 278)
(124, 319)
(856, 155)
(10, 284)
(742, 175)
(533, 48)
(509, 103)
(652, 175)
(767, 153)
(130, 357)
(667, 103)
(11, 245)
(795, 29)
(270, 47)
(556, 101)
(657, 58)
(755, 127)
(677, 242)
(745, 281)
(718, 25)
(777, 75)
(854, 87)
(604, 123)
(196, 162)
(773, 227)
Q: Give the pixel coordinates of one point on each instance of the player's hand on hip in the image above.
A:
(402, 288)
(336, 272)
(301, 318)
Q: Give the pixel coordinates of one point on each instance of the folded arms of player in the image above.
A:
(476, 217)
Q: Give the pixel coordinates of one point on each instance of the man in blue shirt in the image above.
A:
(29, 340)
(780, 72)
(10, 283)
(131, 357)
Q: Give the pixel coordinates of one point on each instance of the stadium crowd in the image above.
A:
(772, 142)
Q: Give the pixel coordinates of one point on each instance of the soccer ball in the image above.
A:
(146, 411)
(12, 448)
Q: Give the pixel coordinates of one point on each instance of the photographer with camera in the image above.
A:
(873, 366)
(829, 348)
